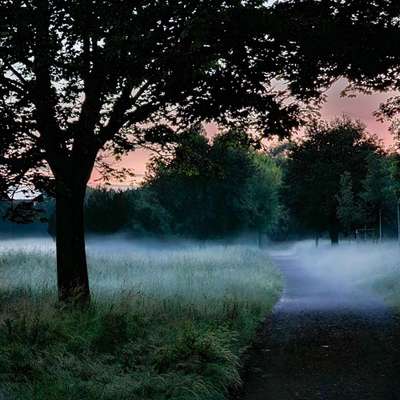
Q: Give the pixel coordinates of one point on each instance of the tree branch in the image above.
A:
(44, 96)
(22, 80)
(121, 106)
(13, 85)
(93, 87)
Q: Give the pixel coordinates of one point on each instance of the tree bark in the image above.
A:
(72, 272)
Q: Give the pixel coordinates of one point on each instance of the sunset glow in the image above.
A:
(361, 107)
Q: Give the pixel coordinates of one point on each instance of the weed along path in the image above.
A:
(324, 340)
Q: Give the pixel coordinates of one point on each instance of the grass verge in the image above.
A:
(163, 324)
(388, 286)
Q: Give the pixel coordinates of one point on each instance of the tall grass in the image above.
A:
(164, 324)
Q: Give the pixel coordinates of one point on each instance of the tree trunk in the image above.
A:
(72, 273)
(334, 235)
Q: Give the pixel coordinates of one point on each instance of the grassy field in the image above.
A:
(164, 323)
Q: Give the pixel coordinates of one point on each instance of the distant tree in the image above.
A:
(378, 189)
(263, 198)
(348, 209)
(180, 183)
(229, 184)
(394, 165)
(147, 215)
(225, 187)
(288, 226)
(330, 39)
(315, 167)
(106, 210)
(78, 78)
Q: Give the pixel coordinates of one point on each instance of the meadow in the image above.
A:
(166, 322)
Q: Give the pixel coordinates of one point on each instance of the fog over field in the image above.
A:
(172, 300)
(351, 263)
(160, 304)
(187, 270)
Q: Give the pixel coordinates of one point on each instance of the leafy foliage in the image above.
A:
(106, 211)
(350, 39)
(378, 191)
(349, 210)
(225, 187)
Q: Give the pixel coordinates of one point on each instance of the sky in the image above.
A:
(360, 107)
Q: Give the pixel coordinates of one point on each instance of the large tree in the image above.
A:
(78, 78)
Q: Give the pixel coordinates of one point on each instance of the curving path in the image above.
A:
(324, 342)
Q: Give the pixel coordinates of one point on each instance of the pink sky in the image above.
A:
(361, 107)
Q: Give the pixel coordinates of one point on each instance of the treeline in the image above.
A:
(336, 180)
(339, 180)
(204, 190)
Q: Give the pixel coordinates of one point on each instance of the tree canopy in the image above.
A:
(354, 39)
(75, 74)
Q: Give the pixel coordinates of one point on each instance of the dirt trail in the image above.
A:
(324, 342)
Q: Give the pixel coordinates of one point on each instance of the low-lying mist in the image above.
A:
(168, 319)
(178, 271)
(355, 264)
(351, 264)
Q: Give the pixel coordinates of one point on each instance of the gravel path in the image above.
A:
(324, 341)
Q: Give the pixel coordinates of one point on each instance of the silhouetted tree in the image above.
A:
(81, 77)
(329, 39)
(75, 75)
